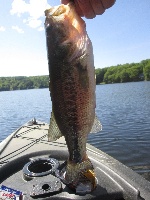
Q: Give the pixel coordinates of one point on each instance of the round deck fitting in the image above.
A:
(40, 167)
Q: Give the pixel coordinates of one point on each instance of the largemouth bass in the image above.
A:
(72, 86)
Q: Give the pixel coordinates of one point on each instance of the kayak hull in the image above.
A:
(28, 145)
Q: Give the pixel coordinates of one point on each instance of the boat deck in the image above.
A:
(29, 142)
(27, 139)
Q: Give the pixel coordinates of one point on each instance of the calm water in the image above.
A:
(124, 111)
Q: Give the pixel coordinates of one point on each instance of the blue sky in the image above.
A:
(121, 35)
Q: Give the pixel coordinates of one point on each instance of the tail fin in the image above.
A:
(78, 176)
(74, 170)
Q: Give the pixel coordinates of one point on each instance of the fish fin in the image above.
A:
(97, 126)
(72, 173)
(79, 177)
(73, 170)
(54, 132)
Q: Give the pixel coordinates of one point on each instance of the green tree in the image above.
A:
(100, 75)
(134, 72)
(109, 76)
(146, 71)
(124, 76)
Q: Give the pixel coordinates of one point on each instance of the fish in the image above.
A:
(72, 86)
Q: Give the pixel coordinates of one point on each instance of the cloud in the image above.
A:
(19, 30)
(33, 23)
(2, 29)
(19, 7)
(41, 28)
(34, 9)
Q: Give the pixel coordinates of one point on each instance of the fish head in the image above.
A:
(65, 27)
(65, 15)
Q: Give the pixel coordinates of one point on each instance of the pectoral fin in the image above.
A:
(53, 133)
(97, 126)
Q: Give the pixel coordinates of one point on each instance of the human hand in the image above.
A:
(90, 8)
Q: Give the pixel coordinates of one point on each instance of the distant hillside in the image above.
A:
(114, 74)
(23, 82)
(124, 73)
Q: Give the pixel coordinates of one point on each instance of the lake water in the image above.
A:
(123, 109)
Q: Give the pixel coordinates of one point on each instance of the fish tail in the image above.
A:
(80, 173)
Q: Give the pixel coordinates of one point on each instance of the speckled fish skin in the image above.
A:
(72, 80)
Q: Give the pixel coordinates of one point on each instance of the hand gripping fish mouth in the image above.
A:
(72, 91)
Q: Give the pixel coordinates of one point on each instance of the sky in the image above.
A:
(120, 35)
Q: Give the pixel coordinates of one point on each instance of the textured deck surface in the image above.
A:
(27, 139)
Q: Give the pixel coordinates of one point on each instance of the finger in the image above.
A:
(78, 9)
(107, 3)
(97, 7)
(65, 1)
(86, 8)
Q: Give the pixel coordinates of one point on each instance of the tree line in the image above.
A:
(23, 82)
(114, 74)
(124, 73)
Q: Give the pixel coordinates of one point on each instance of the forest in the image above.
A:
(124, 73)
(23, 82)
(114, 74)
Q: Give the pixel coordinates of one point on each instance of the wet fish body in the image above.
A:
(72, 85)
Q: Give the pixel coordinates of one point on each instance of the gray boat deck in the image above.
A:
(27, 139)
(115, 180)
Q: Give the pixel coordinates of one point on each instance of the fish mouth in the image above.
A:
(67, 15)
(71, 28)
(56, 11)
